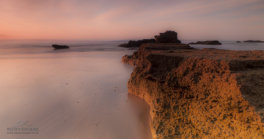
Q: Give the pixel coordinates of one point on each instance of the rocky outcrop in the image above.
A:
(254, 41)
(170, 48)
(133, 44)
(167, 37)
(214, 42)
(57, 47)
(205, 93)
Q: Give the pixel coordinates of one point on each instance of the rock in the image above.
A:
(238, 41)
(254, 41)
(213, 42)
(167, 37)
(56, 46)
(132, 44)
(132, 59)
(195, 93)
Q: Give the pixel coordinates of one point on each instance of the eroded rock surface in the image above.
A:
(205, 93)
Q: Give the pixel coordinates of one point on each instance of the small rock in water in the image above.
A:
(254, 41)
(214, 42)
(56, 46)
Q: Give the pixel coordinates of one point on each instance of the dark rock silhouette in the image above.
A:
(213, 42)
(56, 46)
(238, 41)
(137, 43)
(254, 41)
(167, 37)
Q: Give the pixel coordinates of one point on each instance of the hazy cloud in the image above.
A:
(3, 36)
(131, 18)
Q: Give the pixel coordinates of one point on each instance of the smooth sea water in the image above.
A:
(66, 94)
(76, 93)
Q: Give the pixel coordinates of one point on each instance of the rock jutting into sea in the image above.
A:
(137, 43)
(56, 46)
(166, 37)
(254, 41)
(193, 93)
(214, 42)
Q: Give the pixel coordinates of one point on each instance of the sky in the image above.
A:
(131, 19)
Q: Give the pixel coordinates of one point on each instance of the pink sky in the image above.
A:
(131, 19)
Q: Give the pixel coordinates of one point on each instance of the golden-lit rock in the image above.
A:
(195, 93)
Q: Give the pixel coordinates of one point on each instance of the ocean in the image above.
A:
(65, 94)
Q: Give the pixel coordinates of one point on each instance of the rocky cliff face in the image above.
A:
(200, 93)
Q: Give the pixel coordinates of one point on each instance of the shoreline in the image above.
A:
(199, 93)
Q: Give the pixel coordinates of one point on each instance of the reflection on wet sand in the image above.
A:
(67, 95)
(141, 109)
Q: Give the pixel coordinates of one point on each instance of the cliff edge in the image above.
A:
(195, 93)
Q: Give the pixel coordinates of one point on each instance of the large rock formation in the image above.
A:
(167, 37)
(214, 42)
(205, 93)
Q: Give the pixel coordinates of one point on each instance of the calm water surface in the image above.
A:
(70, 94)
